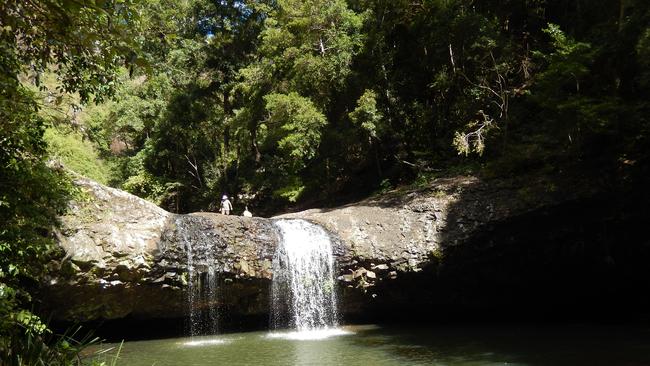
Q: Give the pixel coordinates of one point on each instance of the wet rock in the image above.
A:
(359, 273)
(126, 256)
(346, 278)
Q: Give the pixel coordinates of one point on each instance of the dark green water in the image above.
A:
(375, 345)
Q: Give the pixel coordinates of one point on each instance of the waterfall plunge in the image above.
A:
(303, 290)
(202, 294)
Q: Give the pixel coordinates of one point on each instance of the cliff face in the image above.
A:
(111, 239)
(127, 257)
(461, 242)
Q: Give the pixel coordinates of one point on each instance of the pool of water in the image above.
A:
(390, 345)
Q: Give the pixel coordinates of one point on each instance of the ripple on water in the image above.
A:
(310, 335)
(204, 342)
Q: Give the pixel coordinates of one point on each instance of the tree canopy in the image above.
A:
(298, 102)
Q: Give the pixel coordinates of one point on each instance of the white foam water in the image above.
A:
(303, 290)
(310, 335)
(204, 342)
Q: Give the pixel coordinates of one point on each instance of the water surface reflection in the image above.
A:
(388, 346)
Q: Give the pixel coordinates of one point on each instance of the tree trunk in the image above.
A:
(621, 14)
(377, 162)
(254, 147)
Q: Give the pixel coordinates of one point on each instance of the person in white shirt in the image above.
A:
(226, 206)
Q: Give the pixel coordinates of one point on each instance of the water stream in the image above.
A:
(202, 294)
(303, 290)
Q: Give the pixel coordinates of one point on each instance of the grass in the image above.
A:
(100, 357)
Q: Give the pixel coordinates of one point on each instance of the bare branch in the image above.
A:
(195, 167)
(474, 140)
(451, 57)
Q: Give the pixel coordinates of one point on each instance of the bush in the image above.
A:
(76, 154)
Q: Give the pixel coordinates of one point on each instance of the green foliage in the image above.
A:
(140, 181)
(366, 114)
(296, 101)
(31, 194)
(291, 190)
(30, 347)
(295, 123)
(567, 65)
(81, 44)
(300, 122)
(578, 100)
(86, 40)
(312, 43)
(31, 197)
(77, 154)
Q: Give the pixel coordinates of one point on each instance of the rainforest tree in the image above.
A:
(83, 43)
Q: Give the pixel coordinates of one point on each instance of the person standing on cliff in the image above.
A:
(226, 206)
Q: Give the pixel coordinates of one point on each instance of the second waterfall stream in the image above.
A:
(303, 290)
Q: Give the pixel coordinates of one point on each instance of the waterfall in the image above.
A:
(202, 294)
(303, 290)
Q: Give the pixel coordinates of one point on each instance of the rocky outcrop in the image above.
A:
(404, 250)
(395, 243)
(127, 257)
(405, 230)
(110, 239)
